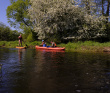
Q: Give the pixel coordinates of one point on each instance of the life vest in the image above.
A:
(55, 44)
(20, 37)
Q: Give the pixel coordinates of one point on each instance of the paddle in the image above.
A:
(25, 44)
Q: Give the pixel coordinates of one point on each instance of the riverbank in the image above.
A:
(13, 44)
(71, 46)
(87, 46)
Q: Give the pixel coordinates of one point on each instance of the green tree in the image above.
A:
(17, 15)
(6, 34)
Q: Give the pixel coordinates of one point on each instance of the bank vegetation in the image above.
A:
(87, 46)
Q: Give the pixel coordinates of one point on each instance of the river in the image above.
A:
(33, 71)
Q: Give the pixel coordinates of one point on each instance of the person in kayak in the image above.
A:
(43, 43)
(53, 44)
(20, 39)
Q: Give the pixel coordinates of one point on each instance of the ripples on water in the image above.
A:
(32, 71)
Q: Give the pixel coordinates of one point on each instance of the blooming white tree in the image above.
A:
(63, 18)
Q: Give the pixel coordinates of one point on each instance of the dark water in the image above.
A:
(32, 71)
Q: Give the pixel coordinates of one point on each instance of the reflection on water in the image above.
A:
(33, 71)
(21, 53)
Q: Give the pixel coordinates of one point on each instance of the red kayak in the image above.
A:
(50, 48)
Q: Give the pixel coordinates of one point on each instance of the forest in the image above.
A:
(58, 20)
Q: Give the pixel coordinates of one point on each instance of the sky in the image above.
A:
(3, 18)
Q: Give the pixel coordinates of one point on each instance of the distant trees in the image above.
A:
(6, 34)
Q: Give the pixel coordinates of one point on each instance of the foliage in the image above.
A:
(6, 34)
(13, 44)
(30, 37)
(8, 44)
(87, 46)
(62, 18)
(17, 15)
(71, 46)
(58, 19)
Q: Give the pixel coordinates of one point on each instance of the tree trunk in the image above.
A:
(102, 7)
(107, 12)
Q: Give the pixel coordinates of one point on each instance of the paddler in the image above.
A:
(20, 39)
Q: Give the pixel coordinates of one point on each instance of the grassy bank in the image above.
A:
(78, 46)
(13, 44)
(86, 46)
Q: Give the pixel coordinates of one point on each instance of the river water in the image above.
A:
(33, 71)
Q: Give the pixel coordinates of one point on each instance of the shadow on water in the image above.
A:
(33, 71)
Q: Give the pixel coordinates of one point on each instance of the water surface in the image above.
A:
(32, 71)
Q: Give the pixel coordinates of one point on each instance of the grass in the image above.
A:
(10, 44)
(85, 46)
(71, 46)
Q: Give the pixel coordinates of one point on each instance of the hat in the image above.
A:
(42, 40)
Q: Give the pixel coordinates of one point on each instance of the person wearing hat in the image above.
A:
(43, 43)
